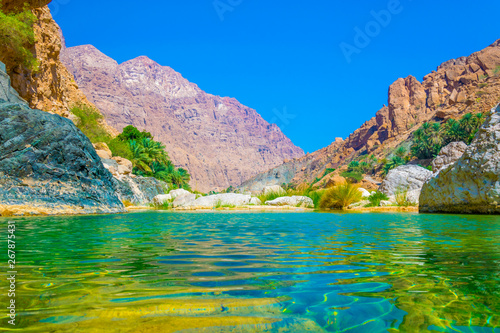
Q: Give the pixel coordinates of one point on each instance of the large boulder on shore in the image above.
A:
(448, 155)
(291, 201)
(472, 184)
(409, 178)
(225, 199)
(48, 166)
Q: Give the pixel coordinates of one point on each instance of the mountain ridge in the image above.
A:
(217, 139)
(458, 86)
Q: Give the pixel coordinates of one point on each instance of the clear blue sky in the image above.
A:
(272, 55)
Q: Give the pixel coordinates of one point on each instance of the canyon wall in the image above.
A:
(458, 86)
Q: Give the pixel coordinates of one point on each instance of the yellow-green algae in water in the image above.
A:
(265, 272)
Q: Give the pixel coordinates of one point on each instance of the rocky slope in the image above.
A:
(47, 165)
(472, 184)
(218, 140)
(52, 87)
(458, 86)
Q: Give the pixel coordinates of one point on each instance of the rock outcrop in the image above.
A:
(448, 155)
(47, 165)
(129, 187)
(406, 178)
(471, 184)
(458, 86)
(138, 190)
(51, 87)
(218, 140)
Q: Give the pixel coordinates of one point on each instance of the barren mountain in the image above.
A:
(218, 140)
(458, 86)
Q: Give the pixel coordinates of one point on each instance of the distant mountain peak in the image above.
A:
(220, 141)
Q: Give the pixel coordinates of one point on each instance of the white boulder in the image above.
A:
(224, 199)
(161, 199)
(179, 192)
(364, 193)
(291, 201)
(183, 200)
(405, 178)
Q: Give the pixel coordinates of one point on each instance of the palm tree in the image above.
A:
(140, 158)
(155, 150)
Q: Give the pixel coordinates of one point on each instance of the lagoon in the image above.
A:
(257, 272)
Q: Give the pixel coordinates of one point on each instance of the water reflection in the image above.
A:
(272, 272)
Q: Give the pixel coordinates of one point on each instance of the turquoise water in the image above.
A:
(257, 272)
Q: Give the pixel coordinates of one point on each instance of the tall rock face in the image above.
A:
(218, 140)
(52, 87)
(458, 86)
(471, 184)
(47, 165)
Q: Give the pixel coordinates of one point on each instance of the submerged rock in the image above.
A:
(50, 165)
(472, 184)
(291, 201)
(409, 178)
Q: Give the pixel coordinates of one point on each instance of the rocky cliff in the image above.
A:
(51, 87)
(471, 184)
(218, 140)
(458, 86)
(47, 165)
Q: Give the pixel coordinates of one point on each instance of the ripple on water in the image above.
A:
(272, 272)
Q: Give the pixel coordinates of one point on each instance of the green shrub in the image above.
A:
(120, 148)
(90, 123)
(401, 196)
(352, 176)
(315, 196)
(375, 199)
(427, 141)
(430, 138)
(400, 157)
(340, 196)
(164, 206)
(17, 37)
(271, 196)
